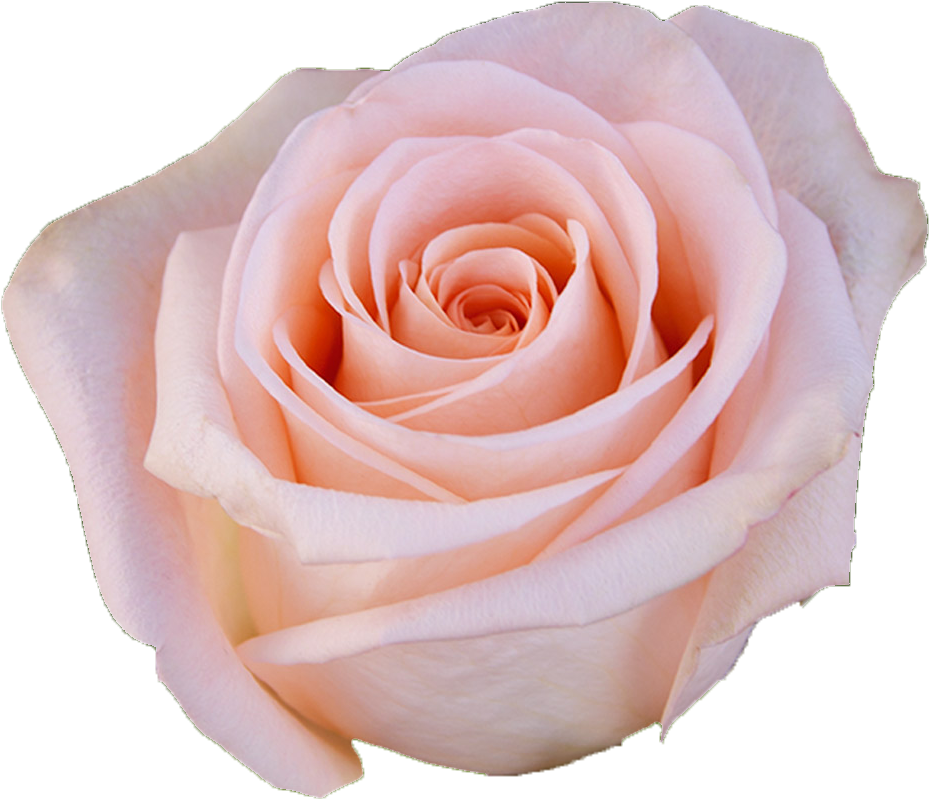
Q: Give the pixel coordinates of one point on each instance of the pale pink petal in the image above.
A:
(437, 100)
(812, 149)
(81, 310)
(611, 573)
(738, 263)
(492, 180)
(284, 587)
(807, 544)
(450, 97)
(217, 692)
(606, 434)
(631, 67)
(390, 650)
(195, 447)
(708, 666)
(365, 282)
(540, 697)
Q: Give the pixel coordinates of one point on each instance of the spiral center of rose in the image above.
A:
(480, 289)
(488, 309)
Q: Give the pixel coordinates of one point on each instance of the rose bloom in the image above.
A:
(484, 418)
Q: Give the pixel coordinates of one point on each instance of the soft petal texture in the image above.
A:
(195, 448)
(540, 697)
(806, 545)
(81, 312)
(750, 491)
(739, 262)
(489, 415)
(473, 467)
(623, 568)
(433, 99)
(812, 148)
(631, 67)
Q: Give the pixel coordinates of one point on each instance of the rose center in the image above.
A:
(489, 309)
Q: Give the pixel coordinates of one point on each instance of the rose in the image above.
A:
(882, 342)
(136, 348)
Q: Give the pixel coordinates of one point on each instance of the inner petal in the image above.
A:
(475, 184)
(490, 181)
(549, 248)
(490, 310)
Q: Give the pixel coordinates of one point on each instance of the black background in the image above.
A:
(815, 686)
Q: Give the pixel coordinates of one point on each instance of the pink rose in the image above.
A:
(487, 424)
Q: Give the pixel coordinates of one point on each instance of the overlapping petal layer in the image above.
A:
(396, 307)
(81, 311)
(812, 149)
(509, 403)
(352, 136)
(629, 572)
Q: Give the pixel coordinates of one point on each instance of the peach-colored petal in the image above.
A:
(537, 385)
(538, 699)
(605, 434)
(342, 421)
(449, 97)
(632, 220)
(81, 310)
(620, 569)
(808, 543)
(492, 180)
(380, 354)
(812, 149)
(738, 263)
(631, 67)
(549, 247)
(194, 447)
(365, 282)
(520, 284)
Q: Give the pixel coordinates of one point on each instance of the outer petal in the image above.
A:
(813, 150)
(620, 61)
(814, 397)
(81, 313)
(807, 544)
(804, 548)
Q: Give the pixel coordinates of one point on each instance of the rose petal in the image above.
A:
(605, 434)
(360, 281)
(81, 310)
(539, 699)
(467, 184)
(535, 385)
(423, 325)
(738, 265)
(195, 447)
(807, 545)
(631, 67)
(812, 148)
(557, 603)
(354, 134)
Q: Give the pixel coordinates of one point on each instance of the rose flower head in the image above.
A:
(480, 408)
